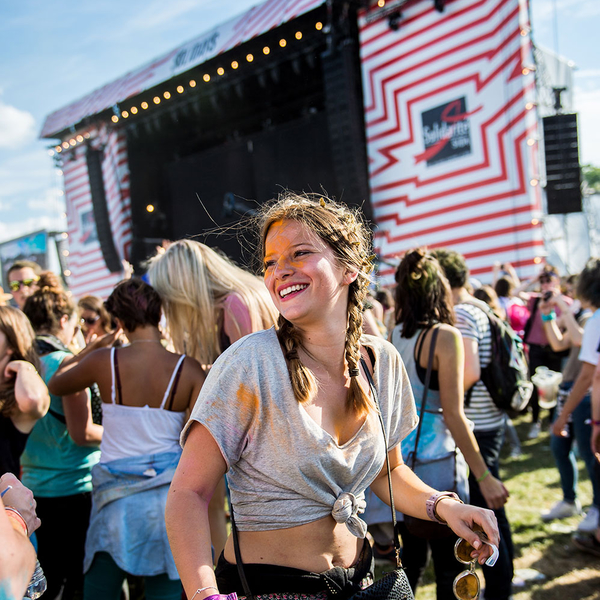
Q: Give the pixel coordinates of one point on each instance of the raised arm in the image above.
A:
(78, 373)
(31, 394)
(450, 359)
(200, 469)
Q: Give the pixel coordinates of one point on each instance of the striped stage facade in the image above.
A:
(451, 130)
(88, 271)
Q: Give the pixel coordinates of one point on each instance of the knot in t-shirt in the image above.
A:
(345, 510)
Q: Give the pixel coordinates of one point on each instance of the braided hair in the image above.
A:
(345, 232)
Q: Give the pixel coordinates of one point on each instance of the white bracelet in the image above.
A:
(208, 587)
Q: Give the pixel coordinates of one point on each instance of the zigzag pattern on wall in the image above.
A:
(89, 274)
(449, 129)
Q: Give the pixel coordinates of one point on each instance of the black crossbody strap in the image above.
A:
(238, 555)
(425, 392)
(397, 547)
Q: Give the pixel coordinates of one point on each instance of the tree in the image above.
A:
(591, 179)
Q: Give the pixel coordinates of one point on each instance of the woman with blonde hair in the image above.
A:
(209, 303)
(297, 417)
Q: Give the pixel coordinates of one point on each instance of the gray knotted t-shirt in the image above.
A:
(284, 470)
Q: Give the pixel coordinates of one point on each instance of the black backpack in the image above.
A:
(506, 378)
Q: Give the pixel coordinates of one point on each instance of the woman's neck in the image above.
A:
(143, 334)
(326, 346)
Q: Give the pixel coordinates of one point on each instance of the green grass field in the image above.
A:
(533, 482)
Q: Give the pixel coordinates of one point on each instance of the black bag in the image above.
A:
(506, 378)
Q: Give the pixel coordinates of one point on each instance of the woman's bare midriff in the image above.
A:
(315, 547)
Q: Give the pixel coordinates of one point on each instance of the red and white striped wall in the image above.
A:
(451, 131)
(89, 274)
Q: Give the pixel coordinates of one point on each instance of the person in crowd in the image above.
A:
(487, 294)
(504, 282)
(386, 299)
(95, 320)
(588, 292)
(488, 419)
(144, 413)
(18, 520)
(540, 350)
(289, 414)
(61, 450)
(24, 397)
(22, 278)
(209, 303)
(590, 542)
(424, 303)
(568, 337)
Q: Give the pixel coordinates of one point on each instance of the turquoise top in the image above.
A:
(53, 464)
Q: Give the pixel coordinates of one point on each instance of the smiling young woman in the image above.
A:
(288, 416)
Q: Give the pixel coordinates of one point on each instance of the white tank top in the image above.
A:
(135, 431)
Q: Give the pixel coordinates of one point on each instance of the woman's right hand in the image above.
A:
(494, 492)
(21, 499)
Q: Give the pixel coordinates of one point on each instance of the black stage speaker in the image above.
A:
(345, 117)
(563, 173)
(105, 237)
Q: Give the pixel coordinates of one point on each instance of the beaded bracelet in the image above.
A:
(551, 316)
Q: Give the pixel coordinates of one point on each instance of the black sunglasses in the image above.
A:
(89, 320)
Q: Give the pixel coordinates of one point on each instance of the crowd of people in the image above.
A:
(311, 399)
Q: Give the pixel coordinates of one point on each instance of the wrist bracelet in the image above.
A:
(596, 423)
(17, 517)
(431, 505)
(208, 587)
(482, 477)
(551, 316)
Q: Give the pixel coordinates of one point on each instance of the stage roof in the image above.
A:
(222, 38)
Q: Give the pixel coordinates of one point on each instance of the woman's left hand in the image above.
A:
(465, 519)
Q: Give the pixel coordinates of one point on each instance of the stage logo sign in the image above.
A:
(446, 132)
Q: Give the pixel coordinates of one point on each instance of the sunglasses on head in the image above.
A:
(466, 585)
(15, 285)
(89, 320)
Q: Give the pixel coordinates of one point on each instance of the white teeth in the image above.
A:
(293, 288)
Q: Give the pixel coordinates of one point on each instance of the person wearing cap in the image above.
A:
(23, 276)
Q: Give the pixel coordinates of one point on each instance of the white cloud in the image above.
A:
(17, 127)
(586, 104)
(160, 13)
(52, 199)
(10, 231)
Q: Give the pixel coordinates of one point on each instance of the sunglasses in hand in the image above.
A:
(466, 585)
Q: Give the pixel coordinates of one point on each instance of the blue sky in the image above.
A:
(54, 52)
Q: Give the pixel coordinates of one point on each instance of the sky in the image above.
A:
(53, 53)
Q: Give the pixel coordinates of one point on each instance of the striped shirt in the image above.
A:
(474, 324)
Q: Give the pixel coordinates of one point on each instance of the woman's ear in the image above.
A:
(64, 320)
(350, 276)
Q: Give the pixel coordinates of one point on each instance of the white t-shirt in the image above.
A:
(591, 338)
(284, 470)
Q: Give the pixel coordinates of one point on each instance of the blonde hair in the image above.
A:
(345, 232)
(193, 280)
